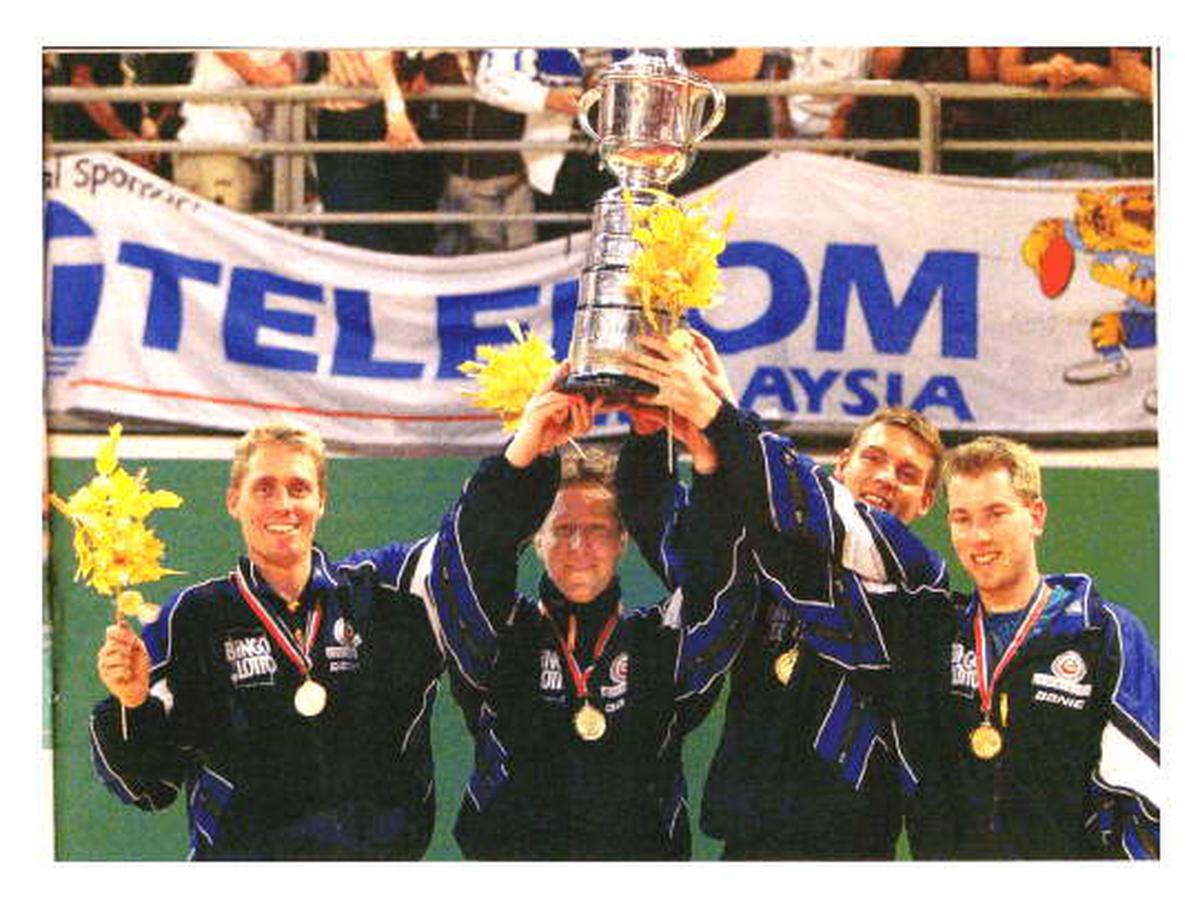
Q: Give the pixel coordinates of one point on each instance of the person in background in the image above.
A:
(822, 116)
(542, 84)
(892, 117)
(374, 182)
(236, 181)
(746, 116)
(1059, 70)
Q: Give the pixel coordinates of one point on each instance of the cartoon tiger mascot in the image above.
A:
(1116, 227)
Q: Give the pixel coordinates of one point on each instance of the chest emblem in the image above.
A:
(250, 660)
(551, 673)
(1064, 684)
(343, 655)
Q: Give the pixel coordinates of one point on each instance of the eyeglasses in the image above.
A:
(589, 534)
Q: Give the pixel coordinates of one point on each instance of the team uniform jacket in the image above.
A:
(261, 781)
(804, 770)
(1078, 772)
(538, 791)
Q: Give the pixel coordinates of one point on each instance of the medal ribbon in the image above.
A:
(299, 656)
(986, 687)
(567, 645)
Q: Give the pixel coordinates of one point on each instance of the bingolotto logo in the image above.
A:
(74, 279)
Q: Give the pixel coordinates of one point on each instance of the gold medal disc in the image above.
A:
(785, 664)
(309, 699)
(985, 741)
(590, 723)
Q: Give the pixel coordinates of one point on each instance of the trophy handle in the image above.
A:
(718, 110)
(585, 107)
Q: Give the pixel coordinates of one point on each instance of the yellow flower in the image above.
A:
(507, 376)
(675, 267)
(114, 549)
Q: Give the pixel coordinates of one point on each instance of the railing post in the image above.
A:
(281, 201)
(297, 163)
(929, 129)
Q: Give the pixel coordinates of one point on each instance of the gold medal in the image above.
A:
(309, 699)
(785, 664)
(589, 723)
(986, 741)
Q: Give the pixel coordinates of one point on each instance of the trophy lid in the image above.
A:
(649, 61)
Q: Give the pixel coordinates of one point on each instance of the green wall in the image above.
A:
(1101, 521)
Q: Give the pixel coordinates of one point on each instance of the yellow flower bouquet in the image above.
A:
(507, 376)
(114, 549)
(675, 266)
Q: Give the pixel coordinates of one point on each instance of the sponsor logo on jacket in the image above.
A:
(1064, 684)
(251, 660)
(343, 655)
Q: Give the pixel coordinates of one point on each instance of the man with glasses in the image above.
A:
(577, 702)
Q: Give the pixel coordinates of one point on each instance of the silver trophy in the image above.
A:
(651, 116)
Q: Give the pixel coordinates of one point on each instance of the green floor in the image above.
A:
(1101, 521)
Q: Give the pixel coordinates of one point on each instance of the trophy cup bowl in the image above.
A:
(651, 116)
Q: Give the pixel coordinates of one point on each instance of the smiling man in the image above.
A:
(1026, 712)
(289, 700)
(578, 702)
(806, 767)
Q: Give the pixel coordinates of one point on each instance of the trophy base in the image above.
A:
(613, 387)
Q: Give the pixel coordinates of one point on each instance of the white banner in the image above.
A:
(848, 287)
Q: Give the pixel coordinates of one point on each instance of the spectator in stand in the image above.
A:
(896, 117)
(1134, 68)
(1059, 69)
(544, 85)
(746, 116)
(822, 115)
(476, 183)
(125, 121)
(234, 180)
(357, 183)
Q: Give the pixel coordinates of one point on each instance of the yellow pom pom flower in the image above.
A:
(114, 549)
(507, 376)
(675, 267)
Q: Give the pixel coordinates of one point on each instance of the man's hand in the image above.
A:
(400, 130)
(124, 665)
(682, 376)
(563, 100)
(645, 420)
(716, 377)
(550, 419)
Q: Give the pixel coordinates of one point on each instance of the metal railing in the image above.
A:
(289, 151)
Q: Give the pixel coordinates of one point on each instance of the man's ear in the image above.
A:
(928, 498)
(1038, 509)
(839, 464)
(539, 543)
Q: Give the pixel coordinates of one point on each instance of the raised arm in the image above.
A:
(474, 565)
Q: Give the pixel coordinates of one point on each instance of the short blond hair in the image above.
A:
(916, 424)
(990, 452)
(285, 433)
(593, 469)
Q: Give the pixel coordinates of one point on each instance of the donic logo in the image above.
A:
(74, 278)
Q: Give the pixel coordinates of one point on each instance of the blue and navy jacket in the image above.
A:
(261, 781)
(537, 790)
(805, 770)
